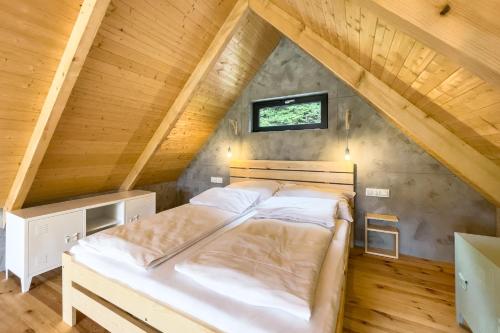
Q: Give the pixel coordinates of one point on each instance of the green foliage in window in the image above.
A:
(296, 114)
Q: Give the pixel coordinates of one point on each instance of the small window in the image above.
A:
(290, 113)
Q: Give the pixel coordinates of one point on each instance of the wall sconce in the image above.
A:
(347, 153)
(233, 125)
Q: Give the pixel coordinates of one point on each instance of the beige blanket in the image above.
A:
(156, 239)
(265, 263)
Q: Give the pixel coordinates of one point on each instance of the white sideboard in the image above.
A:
(477, 282)
(37, 236)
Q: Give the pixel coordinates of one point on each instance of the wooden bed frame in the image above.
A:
(118, 308)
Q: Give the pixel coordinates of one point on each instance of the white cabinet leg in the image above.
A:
(25, 284)
(6, 273)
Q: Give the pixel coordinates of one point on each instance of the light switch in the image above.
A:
(377, 192)
(216, 180)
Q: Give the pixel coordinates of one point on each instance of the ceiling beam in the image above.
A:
(446, 147)
(219, 43)
(78, 46)
(463, 30)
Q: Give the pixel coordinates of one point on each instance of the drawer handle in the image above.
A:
(74, 237)
(462, 281)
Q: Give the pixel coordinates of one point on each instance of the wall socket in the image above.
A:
(377, 192)
(216, 180)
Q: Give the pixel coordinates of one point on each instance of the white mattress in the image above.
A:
(169, 287)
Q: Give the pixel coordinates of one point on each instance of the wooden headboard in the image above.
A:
(337, 175)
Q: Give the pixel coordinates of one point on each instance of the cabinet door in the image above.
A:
(140, 208)
(50, 237)
(475, 287)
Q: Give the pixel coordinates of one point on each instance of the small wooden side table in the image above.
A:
(393, 230)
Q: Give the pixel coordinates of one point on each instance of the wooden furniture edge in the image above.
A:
(338, 175)
(339, 327)
(85, 290)
(394, 254)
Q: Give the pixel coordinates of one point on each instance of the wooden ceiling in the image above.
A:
(143, 54)
(33, 35)
(142, 60)
(461, 101)
(242, 58)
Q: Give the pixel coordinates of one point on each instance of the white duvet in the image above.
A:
(264, 262)
(149, 242)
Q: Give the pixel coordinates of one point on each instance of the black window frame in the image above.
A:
(291, 100)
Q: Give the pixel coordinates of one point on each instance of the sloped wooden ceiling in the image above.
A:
(242, 58)
(458, 99)
(461, 101)
(142, 56)
(33, 35)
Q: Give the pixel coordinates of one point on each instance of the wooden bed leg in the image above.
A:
(68, 311)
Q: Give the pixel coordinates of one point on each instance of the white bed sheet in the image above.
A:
(171, 288)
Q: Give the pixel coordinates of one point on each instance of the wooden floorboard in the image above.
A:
(405, 295)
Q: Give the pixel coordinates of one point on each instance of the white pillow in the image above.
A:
(266, 188)
(233, 200)
(296, 190)
(299, 209)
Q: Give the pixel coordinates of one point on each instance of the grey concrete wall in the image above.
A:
(430, 201)
(166, 194)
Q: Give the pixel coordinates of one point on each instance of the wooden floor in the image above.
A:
(407, 295)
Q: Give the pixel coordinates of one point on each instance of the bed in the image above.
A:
(163, 301)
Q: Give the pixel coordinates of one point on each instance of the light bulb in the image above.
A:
(347, 155)
(229, 152)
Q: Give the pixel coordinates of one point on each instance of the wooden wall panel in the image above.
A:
(458, 99)
(33, 35)
(141, 57)
(242, 58)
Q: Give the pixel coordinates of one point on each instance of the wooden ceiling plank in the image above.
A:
(367, 37)
(438, 70)
(419, 58)
(84, 31)
(466, 32)
(353, 17)
(461, 158)
(384, 34)
(341, 24)
(457, 84)
(400, 48)
(329, 18)
(220, 41)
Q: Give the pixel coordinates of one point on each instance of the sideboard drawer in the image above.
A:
(50, 237)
